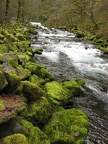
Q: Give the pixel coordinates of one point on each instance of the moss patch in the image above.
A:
(57, 93)
(15, 139)
(67, 126)
(33, 134)
(31, 90)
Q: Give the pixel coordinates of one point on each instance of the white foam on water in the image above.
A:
(52, 56)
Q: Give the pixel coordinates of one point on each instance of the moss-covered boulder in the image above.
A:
(34, 68)
(67, 127)
(15, 139)
(33, 134)
(23, 58)
(13, 81)
(22, 73)
(39, 111)
(23, 46)
(37, 80)
(38, 51)
(39, 70)
(3, 81)
(4, 48)
(31, 91)
(44, 73)
(74, 87)
(12, 59)
(58, 94)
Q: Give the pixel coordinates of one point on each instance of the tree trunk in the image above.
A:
(19, 7)
(7, 10)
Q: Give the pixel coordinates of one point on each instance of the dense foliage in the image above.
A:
(88, 15)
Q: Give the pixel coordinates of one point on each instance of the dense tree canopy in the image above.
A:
(84, 14)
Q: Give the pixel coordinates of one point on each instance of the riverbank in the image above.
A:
(32, 103)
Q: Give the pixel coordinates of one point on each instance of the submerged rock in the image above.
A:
(67, 127)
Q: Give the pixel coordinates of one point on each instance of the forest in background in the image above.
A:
(90, 16)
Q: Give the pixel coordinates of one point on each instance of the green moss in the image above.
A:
(23, 74)
(106, 50)
(34, 68)
(37, 80)
(11, 58)
(80, 82)
(74, 87)
(39, 110)
(3, 81)
(23, 46)
(13, 48)
(20, 36)
(2, 104)
(23, 58)
(33, 134)
(67, 126)
(57, 93)
(46, 74)
(13, 82)
(1, 58)
(31, 90)
(38, 51)
(79, 34)
(15, 139)
(4, 48)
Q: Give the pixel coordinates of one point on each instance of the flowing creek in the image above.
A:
(68, 57)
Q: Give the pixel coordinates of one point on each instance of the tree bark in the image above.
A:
(7, 10)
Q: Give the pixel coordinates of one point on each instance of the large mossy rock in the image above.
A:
(37, 80)
(3, 81)
(23, 58)
(31, 91)
(13, 81)
(67, 127)
(74, 86)
(15, 139)
(58, 94)
(33, 134)
(12, 59)
(22, 73)
(38, 111)
(39, 70)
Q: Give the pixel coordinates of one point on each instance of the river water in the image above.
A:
(68, 57)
